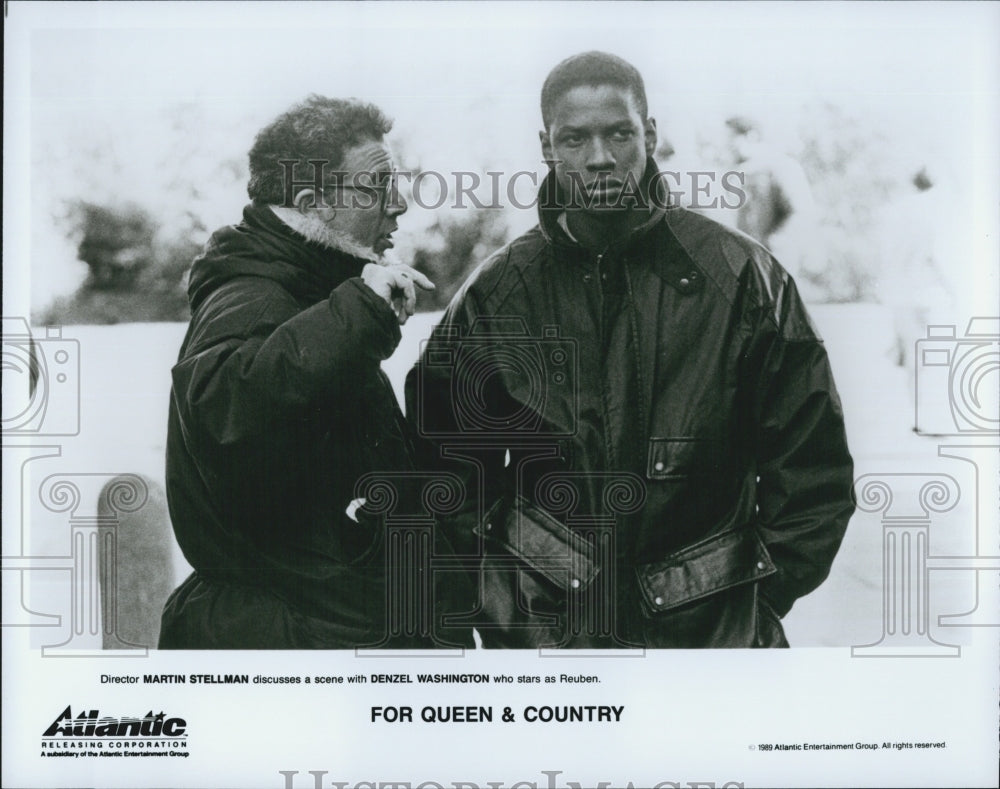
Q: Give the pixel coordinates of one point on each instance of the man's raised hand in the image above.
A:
(397, 284)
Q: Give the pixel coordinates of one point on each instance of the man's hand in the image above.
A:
(395, 284)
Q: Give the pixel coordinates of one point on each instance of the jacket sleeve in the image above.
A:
(428, 385)
(255, 360)
(805, 471)
(441, 443)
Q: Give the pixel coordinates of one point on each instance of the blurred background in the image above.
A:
(866, 124)
(864, 135)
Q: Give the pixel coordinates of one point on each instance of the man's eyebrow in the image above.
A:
(623, 124)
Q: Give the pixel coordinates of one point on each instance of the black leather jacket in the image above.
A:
(278, 408)
(652, 442)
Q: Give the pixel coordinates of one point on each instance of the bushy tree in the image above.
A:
(133, 274)
(848, 164)
(454, 246)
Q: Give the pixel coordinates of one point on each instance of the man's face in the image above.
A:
(360, 207)
(598, 140)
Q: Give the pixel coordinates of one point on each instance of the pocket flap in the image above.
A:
(543, 543)
(707, 567)
(678, 458)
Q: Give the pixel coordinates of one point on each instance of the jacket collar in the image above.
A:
(551, 205)
(264, 246)
(672, 262)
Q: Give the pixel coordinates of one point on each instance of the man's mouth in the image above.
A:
(605, 185)
(385, 241)
(605, 190)
(606, 193)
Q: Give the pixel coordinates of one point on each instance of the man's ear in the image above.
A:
(546, 141)
(650, 128)
(307, 198)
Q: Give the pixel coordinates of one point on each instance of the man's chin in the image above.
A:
(612, 203)
(609, 202)
(605, 210)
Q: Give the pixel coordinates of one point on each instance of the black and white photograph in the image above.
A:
(502, 394)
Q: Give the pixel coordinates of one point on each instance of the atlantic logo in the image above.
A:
(91, 734)
(89, 723)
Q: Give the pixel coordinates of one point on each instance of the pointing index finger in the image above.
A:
(418, 278)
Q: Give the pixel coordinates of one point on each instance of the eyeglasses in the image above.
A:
(382, 191)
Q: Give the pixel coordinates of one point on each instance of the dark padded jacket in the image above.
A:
(653, 434)
(278, 408)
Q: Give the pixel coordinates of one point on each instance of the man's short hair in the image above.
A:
(317, 128)
(592, 69)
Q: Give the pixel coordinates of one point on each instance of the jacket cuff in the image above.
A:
(384, 325)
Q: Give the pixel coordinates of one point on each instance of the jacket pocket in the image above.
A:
(713, 565)
(678, 458)
(550, 548)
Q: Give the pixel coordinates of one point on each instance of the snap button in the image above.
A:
(658, 466)
(761, 565)
(658, 601)
(587, 277)
(575, 583)
(684, 282)
(488, 526)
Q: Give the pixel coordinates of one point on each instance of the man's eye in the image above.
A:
(621, 135)
(572, 140)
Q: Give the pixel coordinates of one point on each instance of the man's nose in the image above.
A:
(600, 157)
(397, 205)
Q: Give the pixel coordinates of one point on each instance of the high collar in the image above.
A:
(264, 246)
(552, 200)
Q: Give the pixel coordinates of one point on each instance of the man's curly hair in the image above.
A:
(317, 128)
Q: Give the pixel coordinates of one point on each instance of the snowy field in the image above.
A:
(125, 381)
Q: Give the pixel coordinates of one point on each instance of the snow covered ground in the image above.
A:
(125, 382)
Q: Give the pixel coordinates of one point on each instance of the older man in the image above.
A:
(278, 403)
(641, 401)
